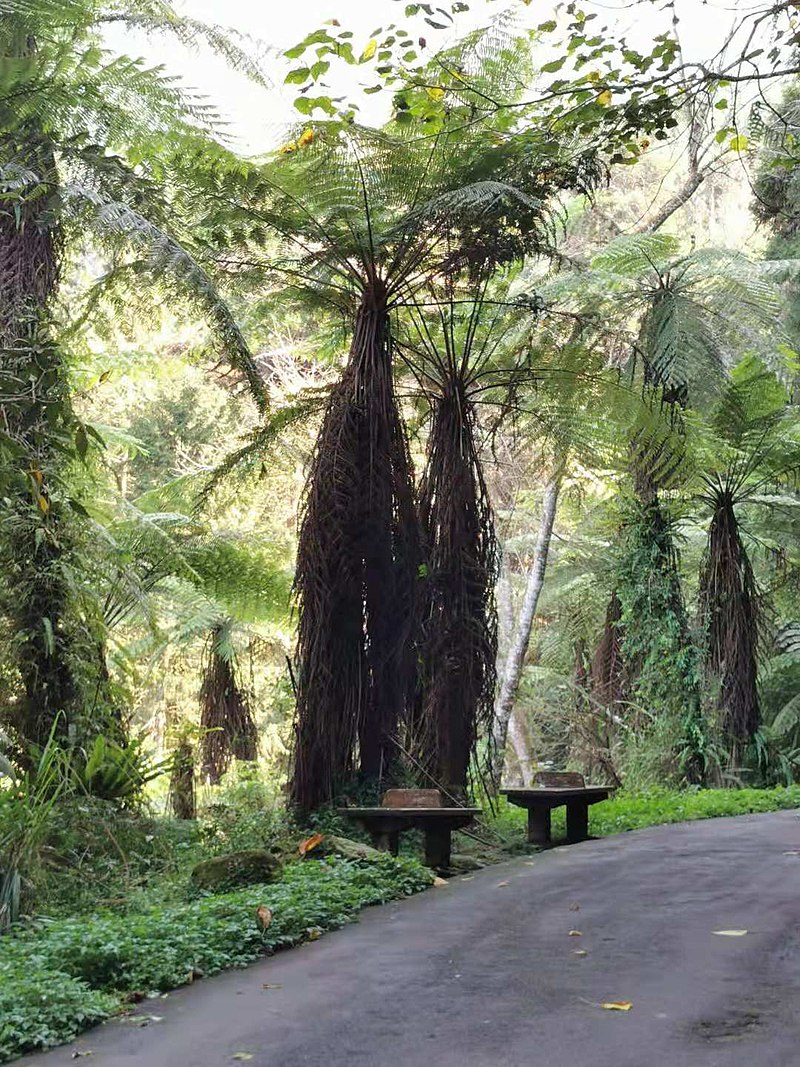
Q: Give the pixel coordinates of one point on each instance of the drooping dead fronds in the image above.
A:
(607, 669)
(458, 634)
(459, 629)
(229, 729)
(729, 603)
(357, 564)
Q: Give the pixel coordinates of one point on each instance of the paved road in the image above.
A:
(484, 974)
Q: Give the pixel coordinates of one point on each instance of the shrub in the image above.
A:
(40, 1008)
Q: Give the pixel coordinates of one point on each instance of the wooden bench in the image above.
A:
(552, 789)
(413, 809)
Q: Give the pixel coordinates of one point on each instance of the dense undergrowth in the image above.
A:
(59, 975)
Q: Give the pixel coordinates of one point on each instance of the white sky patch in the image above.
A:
(258, 117)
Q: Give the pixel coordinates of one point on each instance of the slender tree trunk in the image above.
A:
(519, 743)
(512, 673)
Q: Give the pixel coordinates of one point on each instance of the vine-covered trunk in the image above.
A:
(357, 569)
(36, 415)
(730, 607)
(459, 627)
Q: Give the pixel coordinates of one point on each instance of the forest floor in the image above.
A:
(696, 926)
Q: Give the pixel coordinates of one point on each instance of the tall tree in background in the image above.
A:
(753, 461)
(372, 217)
(86, 142)
(459, 359)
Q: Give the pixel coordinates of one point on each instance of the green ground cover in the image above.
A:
(60, 975)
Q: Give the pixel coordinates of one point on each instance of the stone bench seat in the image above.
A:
(413, 809)
(554, 789)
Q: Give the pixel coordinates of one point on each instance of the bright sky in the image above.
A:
(258, 116)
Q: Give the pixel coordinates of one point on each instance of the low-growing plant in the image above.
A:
(41, 1007)
(97, 960)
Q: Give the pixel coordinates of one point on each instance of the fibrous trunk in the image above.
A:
(357, 569)
(729, 601)
(36, 412)
(459, 626)
(229, 730)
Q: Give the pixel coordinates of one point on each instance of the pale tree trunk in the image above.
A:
(519, 743)
(504, 705)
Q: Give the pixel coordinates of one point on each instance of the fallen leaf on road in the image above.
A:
(77, 1054)
(271, 985)
(501, 885)
(530, 863)
(729, 933)
(313, 933)
(308, 844)
(792, 852)
(617, 1005)
(575, 933)
(264, 916)
(439, 882)
(579, 952)
(468, 878)
(574, 907)
(242, 1056)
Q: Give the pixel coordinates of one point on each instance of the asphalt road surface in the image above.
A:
(485, 972)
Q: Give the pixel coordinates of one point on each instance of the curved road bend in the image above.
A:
(486, 974)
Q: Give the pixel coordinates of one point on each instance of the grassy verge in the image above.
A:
(636, 811)
(59, 976)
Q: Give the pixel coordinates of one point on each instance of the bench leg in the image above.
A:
(539, 826)
(577, 820)
(437, 848)
(387, 841)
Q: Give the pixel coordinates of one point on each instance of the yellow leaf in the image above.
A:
(308, 844)
(739, 143)
(44, 504)
(594, 76)
(575, 933)
(604, 98)
(617, 1005)
(435, 92)
(287, 149)
(306, 137)
(242, 1056)
(730, 933)
(370, 50)
(313, 933)
(264, 916)
(37, 475)
(438, 883)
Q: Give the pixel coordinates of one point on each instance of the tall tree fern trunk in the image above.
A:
(730, 606)
(58, 648)
(229, 729)
(512, 672)
(459, 629)
(357, 569)
(35, 415)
